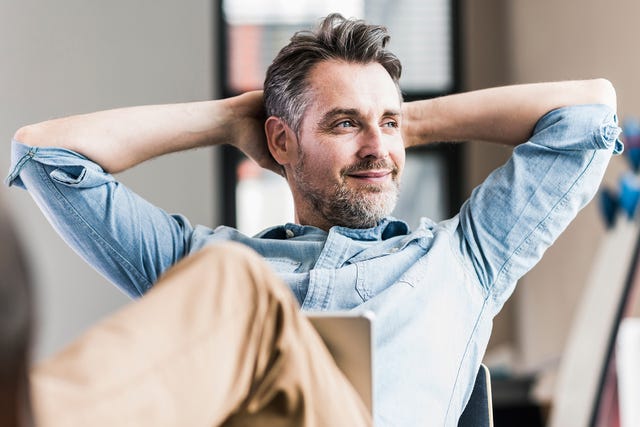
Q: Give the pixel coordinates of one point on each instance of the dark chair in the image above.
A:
(479, 410)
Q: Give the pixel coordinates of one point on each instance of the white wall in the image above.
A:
(60, 58)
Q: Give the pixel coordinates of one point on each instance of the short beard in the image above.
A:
(361, 207)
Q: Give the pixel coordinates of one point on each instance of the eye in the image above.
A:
(345, 124)
(390, 124)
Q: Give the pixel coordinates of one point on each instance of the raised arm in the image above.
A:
(505, 114)
(564, 135)
(130, 241)
(121, 138)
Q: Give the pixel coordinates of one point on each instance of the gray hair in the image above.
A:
(350, 40)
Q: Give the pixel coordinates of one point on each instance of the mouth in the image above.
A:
(372, 176)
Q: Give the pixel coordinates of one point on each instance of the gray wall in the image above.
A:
(61, 58)
(600, 40)
(519, 41)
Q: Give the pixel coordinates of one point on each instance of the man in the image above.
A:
(336, 129)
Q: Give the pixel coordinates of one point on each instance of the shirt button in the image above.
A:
(289, 233)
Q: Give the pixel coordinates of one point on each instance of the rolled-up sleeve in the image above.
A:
(523, 206)
(127, 239)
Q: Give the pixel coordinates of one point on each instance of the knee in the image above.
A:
(224, 259)
(235, 265)
(228, 251)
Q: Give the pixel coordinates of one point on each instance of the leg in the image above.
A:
(219, 339)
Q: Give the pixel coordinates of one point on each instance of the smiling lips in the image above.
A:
(376, 175)
(371, 171)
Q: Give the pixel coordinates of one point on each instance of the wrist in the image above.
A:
(418, 120)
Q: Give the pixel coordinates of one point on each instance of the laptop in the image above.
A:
(349, 338)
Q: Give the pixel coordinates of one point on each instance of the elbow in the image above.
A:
(23, 134)
(29, 135)
(604, 92)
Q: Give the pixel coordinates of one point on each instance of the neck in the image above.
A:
(313, 220)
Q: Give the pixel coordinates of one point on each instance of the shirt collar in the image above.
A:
(387, 227)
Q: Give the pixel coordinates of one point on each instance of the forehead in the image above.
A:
(367, 88)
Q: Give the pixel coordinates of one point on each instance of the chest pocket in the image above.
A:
(392, 267)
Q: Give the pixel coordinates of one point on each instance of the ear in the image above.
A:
(281, 139)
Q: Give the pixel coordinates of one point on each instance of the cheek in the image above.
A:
(398, 156)
(317, 165)
(327, 167)
(327, 163)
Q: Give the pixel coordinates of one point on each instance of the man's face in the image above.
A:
(350, 150)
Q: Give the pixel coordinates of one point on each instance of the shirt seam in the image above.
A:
(20, 164)
(526, 241)
(466, 351)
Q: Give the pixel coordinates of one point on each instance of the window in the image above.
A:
(423, 36)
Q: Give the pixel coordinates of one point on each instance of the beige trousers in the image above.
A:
(219, 340)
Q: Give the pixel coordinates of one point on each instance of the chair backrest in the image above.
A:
(479, 409)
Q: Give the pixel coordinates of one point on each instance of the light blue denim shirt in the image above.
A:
(434, 290)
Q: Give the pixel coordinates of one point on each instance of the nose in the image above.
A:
(372, 144)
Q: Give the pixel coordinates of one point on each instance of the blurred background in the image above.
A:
(62, 58)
